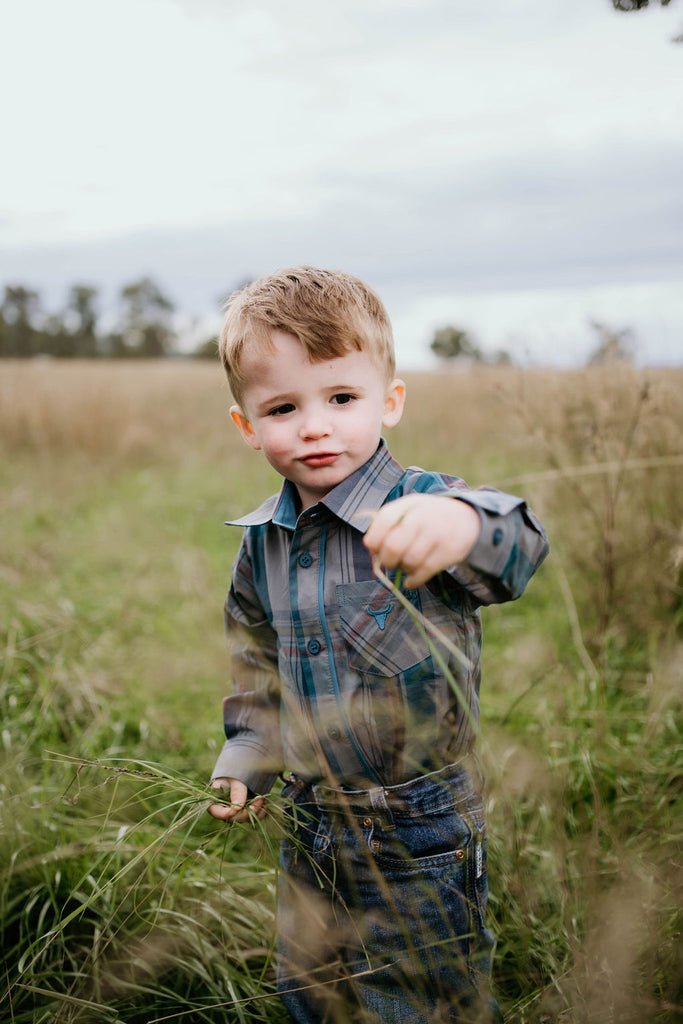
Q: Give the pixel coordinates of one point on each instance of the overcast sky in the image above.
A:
(514, 167)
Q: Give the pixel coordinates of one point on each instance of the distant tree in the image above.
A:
(146, 329)
(56, 339)
(82, 306)
(453, 343)
(634, 5)
(19, 309)
(613, 346)
(115, 346)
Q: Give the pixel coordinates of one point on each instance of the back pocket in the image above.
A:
(381, 636)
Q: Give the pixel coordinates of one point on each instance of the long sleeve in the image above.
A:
(511, 546)
(252, 751)
(512, 543)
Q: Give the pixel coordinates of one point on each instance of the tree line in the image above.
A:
(453, 344)
(144, 328)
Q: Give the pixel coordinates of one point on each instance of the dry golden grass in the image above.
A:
(527, 418)
(112, 410)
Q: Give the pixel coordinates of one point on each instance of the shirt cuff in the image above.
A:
(492, 550)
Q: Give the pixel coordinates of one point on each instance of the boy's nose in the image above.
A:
(315, 426)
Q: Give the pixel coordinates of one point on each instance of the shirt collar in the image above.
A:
(353, 500)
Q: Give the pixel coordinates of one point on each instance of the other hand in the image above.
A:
(240, 807)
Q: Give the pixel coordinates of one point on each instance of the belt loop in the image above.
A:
(378, 801)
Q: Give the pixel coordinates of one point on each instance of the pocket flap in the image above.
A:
(381, 636)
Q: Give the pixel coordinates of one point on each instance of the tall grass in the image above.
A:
(119, 899)
(116, 901)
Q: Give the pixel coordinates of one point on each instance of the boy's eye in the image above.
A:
(281, 410)
(343, 398)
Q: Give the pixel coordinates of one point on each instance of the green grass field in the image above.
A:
(120, 900)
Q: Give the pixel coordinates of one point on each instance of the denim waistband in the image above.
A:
(450, 784)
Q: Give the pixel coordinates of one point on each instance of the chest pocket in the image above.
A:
(381, 636)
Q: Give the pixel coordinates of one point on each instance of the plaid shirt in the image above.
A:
(333, 677)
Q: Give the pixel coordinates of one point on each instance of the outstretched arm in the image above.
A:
(489, 542)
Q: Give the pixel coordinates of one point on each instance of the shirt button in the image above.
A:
(497, 536)
(305, 559)
(333, 733)
(314, 646)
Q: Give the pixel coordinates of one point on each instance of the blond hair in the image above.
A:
(330, 312)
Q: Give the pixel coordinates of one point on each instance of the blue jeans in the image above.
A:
(382, 902)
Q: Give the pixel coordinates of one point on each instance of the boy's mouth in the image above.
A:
(320, 459)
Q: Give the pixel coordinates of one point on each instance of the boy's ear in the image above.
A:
(244, 426)
(393, 403)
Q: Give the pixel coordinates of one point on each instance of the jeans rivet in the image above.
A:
(367, 822)
(459, 854)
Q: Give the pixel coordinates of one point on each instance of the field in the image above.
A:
(120, 900)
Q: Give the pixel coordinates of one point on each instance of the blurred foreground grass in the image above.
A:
(119, 899)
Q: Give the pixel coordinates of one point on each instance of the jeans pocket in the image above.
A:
(420, 839)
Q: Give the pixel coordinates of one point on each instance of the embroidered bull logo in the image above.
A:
(380, 615)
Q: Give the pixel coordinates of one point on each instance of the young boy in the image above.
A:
(369, 717)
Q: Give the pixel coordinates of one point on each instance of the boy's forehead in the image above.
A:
(267, 349)
(280, 352)
(268, 342)
(282, 347)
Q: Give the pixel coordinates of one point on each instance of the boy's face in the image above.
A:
(316, 422)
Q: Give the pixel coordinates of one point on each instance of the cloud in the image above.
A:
(542, 220)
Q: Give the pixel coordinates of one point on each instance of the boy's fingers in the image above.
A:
(222, 812)
(237, 814)
(238, 809)
(423, 573)
(419, 565)
(405, 545)
(391, 529)
(238, 795)
(257, 808)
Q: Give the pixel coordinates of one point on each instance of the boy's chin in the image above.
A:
(311, 492)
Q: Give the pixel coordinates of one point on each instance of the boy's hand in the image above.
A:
(237, 810)
(422, 534)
